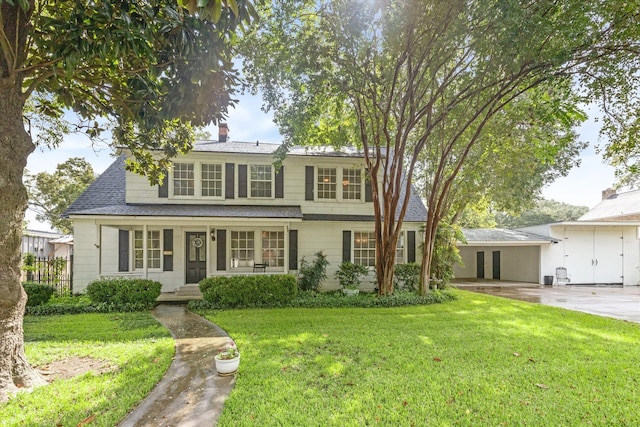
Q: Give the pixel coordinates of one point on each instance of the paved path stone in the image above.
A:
(191, 394)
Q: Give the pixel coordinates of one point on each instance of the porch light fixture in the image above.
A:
(212, 233)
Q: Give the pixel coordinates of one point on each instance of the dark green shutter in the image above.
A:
(163, 188)
(221, 246)
(346, 246)
(293, 249)
(411, 246)
(368, 196)
(242, 180)
(167, 249)
(123, 250)
(280, 183)
(308, 182)
(229, 181)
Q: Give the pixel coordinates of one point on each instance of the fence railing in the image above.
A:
(56, 272)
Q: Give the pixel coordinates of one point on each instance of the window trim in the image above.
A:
(197, 178)
(250, 180)
(339, 188)
(145, 260)
(257, 249)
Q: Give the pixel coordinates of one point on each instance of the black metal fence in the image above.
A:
(56, 272)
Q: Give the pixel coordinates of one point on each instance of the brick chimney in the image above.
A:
(608, 193)
(223, 132)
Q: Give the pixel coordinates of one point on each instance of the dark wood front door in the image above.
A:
(196, 257)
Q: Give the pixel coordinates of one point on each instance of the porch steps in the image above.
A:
(189, 291)
(182, 294)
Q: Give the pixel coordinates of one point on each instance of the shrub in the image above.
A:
(249, 291)
(349, 274)
(37, 293)
(311, 275)
(407, 276)
(123, 292)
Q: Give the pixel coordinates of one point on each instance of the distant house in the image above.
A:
(601, 247)
(47, 244)
(225, 209)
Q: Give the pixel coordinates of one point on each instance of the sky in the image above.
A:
(247, 122)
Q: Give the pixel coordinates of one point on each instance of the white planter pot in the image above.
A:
(227, 367)
(350, 292)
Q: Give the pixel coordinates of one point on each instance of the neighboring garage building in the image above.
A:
(602, 247)
(511, 255)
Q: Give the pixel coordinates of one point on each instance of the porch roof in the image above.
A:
(219, 211)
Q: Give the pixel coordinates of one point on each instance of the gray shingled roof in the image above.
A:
(218, 211)
(616, 205)
(106, 196)
(472, 235)
(107, 190)
(270, 148)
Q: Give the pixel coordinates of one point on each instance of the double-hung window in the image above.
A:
(364, 248)
(211, 175)
(261, 180)
(183, 179)
(242, 247)
(273, 248)
(327, 183)
(153, 249)
(351, 184)
(400, 249)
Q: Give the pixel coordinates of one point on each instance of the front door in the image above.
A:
(196, 257)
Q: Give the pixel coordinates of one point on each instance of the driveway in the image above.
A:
(609, 301)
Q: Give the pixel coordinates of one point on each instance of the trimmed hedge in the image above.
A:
(249, 291)
(37, 293)
(124, 292)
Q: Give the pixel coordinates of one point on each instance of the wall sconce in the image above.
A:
(212, 233)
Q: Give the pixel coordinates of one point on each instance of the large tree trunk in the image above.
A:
(15, 147)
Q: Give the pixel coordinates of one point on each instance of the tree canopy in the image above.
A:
(152, 69)
(405, 79)
(50, 194)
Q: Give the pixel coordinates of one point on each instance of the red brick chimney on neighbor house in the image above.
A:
(608, 193)
(223, 132)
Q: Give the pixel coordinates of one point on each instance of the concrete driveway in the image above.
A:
(609, 301)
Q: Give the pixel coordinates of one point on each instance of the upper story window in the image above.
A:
(351, 184)
(183, 179)
(327, 183)
(211, 180)
(364, 248)
(261, 180)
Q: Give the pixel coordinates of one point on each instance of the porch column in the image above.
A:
(209, 246)
(99, 248)
(144, 252)
(286, 248)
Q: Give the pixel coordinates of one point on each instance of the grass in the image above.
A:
(135, 343)
(477, 361)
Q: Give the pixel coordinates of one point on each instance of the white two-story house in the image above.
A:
(224, 209)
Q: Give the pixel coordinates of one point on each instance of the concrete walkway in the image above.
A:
(608, 301)
(191, 394)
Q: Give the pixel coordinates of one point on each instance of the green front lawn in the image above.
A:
(135, 348)
(477, 361)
